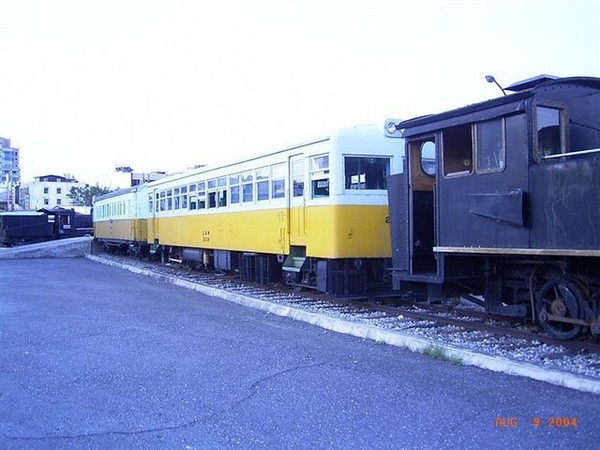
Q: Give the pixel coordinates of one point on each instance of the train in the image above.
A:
(46, 224)
(313, 214)
(497, 203)
(508, 213)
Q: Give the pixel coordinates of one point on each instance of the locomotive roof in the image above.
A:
(491, 108)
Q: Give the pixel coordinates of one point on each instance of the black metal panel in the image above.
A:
(474, 113)
(565, 203)
(498, 206)
(399, 225)
(460, 227)
(15, 227)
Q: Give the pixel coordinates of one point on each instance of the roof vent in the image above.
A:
(529, 83)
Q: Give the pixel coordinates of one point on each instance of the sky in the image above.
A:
(164, 85)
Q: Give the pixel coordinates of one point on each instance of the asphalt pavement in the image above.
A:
(92, 356)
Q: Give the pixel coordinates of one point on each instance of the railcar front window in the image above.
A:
(548, 131)
(457, 144)
(366, 172)
(490, 148)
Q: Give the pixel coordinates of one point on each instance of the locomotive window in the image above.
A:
(428, 157)
(548, 131)
(457, 150)
(490, 146)
(366, 172)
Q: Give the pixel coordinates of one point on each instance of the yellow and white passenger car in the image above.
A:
(121, 219)
(314, 213)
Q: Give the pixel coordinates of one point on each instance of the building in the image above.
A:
(10, 176)
(49, 191)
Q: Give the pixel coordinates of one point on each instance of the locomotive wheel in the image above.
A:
(561, 297)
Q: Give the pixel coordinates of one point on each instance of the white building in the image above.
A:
(48, 191)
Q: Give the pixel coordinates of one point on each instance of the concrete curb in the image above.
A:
(63, 248)
(415, 344)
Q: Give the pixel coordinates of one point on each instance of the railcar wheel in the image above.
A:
(560, 297)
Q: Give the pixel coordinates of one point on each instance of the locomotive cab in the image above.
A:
(500, 204)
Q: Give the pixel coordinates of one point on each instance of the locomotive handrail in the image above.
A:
(580, 152)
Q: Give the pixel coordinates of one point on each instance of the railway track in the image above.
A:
(465, 328)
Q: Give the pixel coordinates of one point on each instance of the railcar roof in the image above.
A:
(500, 105)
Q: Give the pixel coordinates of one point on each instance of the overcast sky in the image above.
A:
(168, 84)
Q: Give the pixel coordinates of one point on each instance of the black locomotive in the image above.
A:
(503, 204)
(28, 227)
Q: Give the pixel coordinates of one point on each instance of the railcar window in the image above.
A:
(490, 146)
(366, 172)
(193, 202)
(320, 188)
(457, 150)
(429, 157)
(262, 184)
(298, 177)
(223, 197)
(184, 197)
(319, 175)
(212, 199)
(163, 201)
(262, 190)
(150, 204)
(170, 200)
(176, 198)
(201, 201)
(247, 192)
(278, 188)
(234, 194)
(548, 131)
(278, 181)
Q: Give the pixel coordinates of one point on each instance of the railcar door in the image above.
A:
(152, 218)
(297, 201)
(422, 167)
